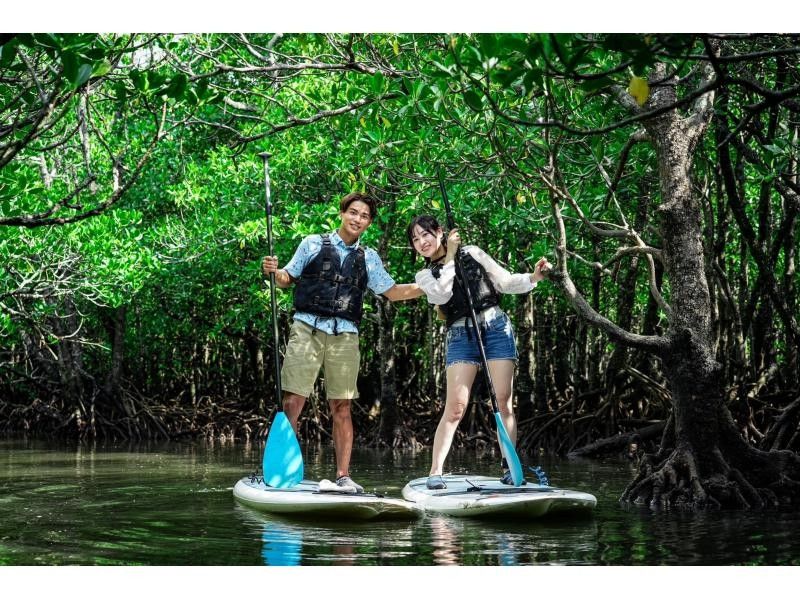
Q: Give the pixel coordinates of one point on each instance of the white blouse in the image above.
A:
(440, 290)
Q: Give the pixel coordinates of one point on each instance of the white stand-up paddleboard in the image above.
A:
(481, 496)
(321, 500)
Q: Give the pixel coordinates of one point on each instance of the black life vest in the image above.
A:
(333, 288)
(484, 295)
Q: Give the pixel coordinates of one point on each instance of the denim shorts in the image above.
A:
(498, 342)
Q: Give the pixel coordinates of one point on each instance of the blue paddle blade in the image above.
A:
(283, 460)
(508, 451)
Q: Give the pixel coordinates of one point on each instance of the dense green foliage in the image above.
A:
(132, 221)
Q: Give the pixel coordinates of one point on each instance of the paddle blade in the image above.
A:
(283, 460)
(508, 451)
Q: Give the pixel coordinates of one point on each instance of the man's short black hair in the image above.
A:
(367, 199)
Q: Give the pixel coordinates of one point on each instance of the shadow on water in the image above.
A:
(172, 504)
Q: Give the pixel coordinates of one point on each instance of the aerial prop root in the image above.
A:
(678, 481)
(673, 482)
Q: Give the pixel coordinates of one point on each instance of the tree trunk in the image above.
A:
(112, 389)
(525, 346)
(387, 400)
(706, 462)
(69, 350)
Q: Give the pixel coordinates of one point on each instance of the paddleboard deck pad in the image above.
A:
(481, 496)
(305, 500)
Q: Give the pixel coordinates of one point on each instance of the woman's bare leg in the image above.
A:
(460, 377)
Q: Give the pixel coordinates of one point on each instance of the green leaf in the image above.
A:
(48, 40)
(625, 42)
(101, 68)
(84, 72)
(489, 46)
(473, 100)
(593, 85)
(120, 92)
(514, 43)
(24, 39)
(202, 89)
(8, 52)
(177, 87)
(377, 82)
(547, 46)
(191, 98)
(70, 63)
(642, 61)
(417, 89)
(533, 80)
(95, 54)
(506, 77)
(441, 70)
(156, 79)
(598, 147)
(140, 80)
(535, 49)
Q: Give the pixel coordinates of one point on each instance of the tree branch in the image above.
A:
(45, 219)
(560, 277)
(296, 122)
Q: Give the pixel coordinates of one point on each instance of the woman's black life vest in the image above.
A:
(483, 292)
(331, 287)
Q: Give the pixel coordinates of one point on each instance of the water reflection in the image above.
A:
(284, 541)
(451, 537)
(457, 541)
(444, 539)
(171, 504)
(283, 545)
(640, 536)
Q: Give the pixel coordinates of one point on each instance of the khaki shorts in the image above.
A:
(309, 349)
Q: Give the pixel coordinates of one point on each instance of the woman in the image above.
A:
(487, 280)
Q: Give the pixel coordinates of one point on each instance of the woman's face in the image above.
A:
(426, 243)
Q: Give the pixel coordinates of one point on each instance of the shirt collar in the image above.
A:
(335, 238)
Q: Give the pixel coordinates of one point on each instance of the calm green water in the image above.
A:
(171, 504)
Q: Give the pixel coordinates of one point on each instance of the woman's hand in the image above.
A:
(453, 242)
(541, 270)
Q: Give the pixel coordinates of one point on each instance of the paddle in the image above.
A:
(283, 460)
(506, 446)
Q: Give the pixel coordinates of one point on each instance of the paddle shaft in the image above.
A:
(272, 283)
(451, 224)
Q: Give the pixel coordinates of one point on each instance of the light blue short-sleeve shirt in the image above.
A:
(378, 279)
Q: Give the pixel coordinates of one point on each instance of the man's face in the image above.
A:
(356, 218)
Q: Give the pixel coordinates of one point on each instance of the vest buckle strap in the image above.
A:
(325, 279)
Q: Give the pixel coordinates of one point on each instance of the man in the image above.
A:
(331, 273)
